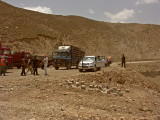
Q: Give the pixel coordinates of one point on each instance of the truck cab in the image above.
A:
(93, 63)
(62, 58)
(6, 52)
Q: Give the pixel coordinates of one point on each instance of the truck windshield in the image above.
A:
(61, 54)
(6, 52)
(89, 59)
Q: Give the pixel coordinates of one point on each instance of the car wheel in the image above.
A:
(18, 66)
(99, 68)
(94, 69)
(56, 68)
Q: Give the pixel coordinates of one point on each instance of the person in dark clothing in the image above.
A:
(35, 66)
(23, 73)
(123, 64)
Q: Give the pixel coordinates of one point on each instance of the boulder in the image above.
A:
(83, 87)
(91, 86)
(77, 84)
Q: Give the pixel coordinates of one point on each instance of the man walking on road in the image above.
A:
(3, 66)
(23, 63)
(123, 64)
(35, 66)
(45, 61)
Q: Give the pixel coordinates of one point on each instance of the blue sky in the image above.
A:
(114, 11)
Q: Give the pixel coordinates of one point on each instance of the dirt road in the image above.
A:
(49, 98)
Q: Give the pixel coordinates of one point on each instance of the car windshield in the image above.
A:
(89, 59)
(61, 54)
(6, 52)
(101, 58)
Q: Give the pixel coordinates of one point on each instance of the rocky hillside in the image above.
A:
(40, 33)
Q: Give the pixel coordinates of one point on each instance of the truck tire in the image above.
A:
(54, 64)
(80, 70)
(18, 66)
(69, 66)
(56, 68)
(12, 66)
(77, 65)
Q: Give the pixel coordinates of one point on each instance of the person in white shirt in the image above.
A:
(45, 61)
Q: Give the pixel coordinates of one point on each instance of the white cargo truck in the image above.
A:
(93, 63)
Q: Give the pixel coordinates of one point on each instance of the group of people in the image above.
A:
(33, 65)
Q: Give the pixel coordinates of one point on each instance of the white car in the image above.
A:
(93, 63)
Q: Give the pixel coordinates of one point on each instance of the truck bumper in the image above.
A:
(59, 64)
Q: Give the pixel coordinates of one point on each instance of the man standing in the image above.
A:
(23, 63)
(3, 66)
(123, 64)
(35, 66)
(45, 61)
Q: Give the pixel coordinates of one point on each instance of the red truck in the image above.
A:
(17, 56)
(13, 58)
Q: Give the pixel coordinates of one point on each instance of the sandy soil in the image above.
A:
(52, 98)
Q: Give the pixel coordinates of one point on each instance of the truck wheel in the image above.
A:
(56, 68)
(10, 67)
(54, 64)
(80, 70)
(18, 66)
(77, 66)
(69, 66)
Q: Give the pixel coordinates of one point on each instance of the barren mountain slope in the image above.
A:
(36, 32)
